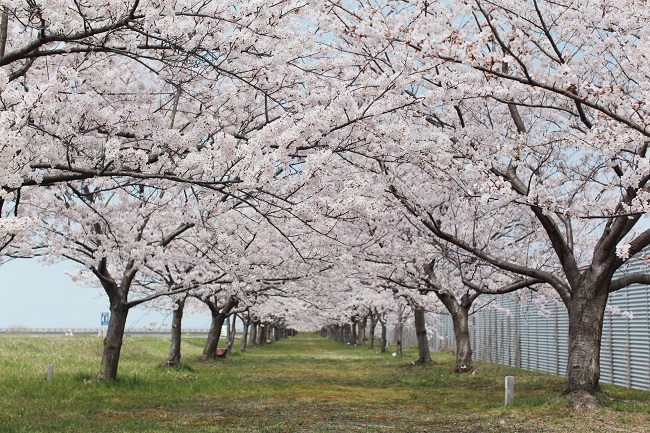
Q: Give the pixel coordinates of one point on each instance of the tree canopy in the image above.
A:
(317, 163)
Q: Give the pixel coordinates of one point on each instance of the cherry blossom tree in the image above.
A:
(542, 104)
(178, 309)
(515, 132)
(221, 304)
(138, 92)
(116, 231)
(198, 273)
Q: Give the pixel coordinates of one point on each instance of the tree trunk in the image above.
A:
(459, 311)
(210, 348)
(371, 331)
(362, 330)
(4, 27)
(113, 343)
(384, 341)
(353, 334)
(174, 358)
(586, 313)
(262, 334)
(463, 343)
(231, 332)
(253, 336)
(398, 334)
(242, 345)
(424, 356)
(219, 316)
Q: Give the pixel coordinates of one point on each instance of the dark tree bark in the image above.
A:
(262, 334)
(244, 338)
(586, 313)
(253, 337)
(119, 308)
(113, 342)
(339, 331)
(219, 315)
(463, 343)
(174, 358)
(424, 355)
(362, 330)
(371, 331)
(210, 348)
(384, 340)
(398, 333)
(347, 333)
(232, 322)
(459, 312)
(353, 334)
(4, 27)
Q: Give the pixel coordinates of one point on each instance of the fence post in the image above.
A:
(611, 350)
(509, 339)
(517, 346)
(628, 350)
(510, 390)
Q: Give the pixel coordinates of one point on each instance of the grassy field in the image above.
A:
(303, 384)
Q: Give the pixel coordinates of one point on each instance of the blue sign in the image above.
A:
(104, 319)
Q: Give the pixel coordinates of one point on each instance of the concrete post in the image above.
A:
(510, 390)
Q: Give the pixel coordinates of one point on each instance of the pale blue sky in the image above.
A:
(34, 295)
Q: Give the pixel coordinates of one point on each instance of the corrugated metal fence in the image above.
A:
(519, 336)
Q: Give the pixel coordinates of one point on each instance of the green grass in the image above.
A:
(303, 384)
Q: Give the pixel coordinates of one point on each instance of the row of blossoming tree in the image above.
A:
(311, 162)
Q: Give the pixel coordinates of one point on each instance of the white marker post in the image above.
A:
(510, 390)
(49, 372)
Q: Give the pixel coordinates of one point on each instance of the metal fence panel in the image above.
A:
(526, 339)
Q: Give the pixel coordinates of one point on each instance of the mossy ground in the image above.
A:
(302, 384)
